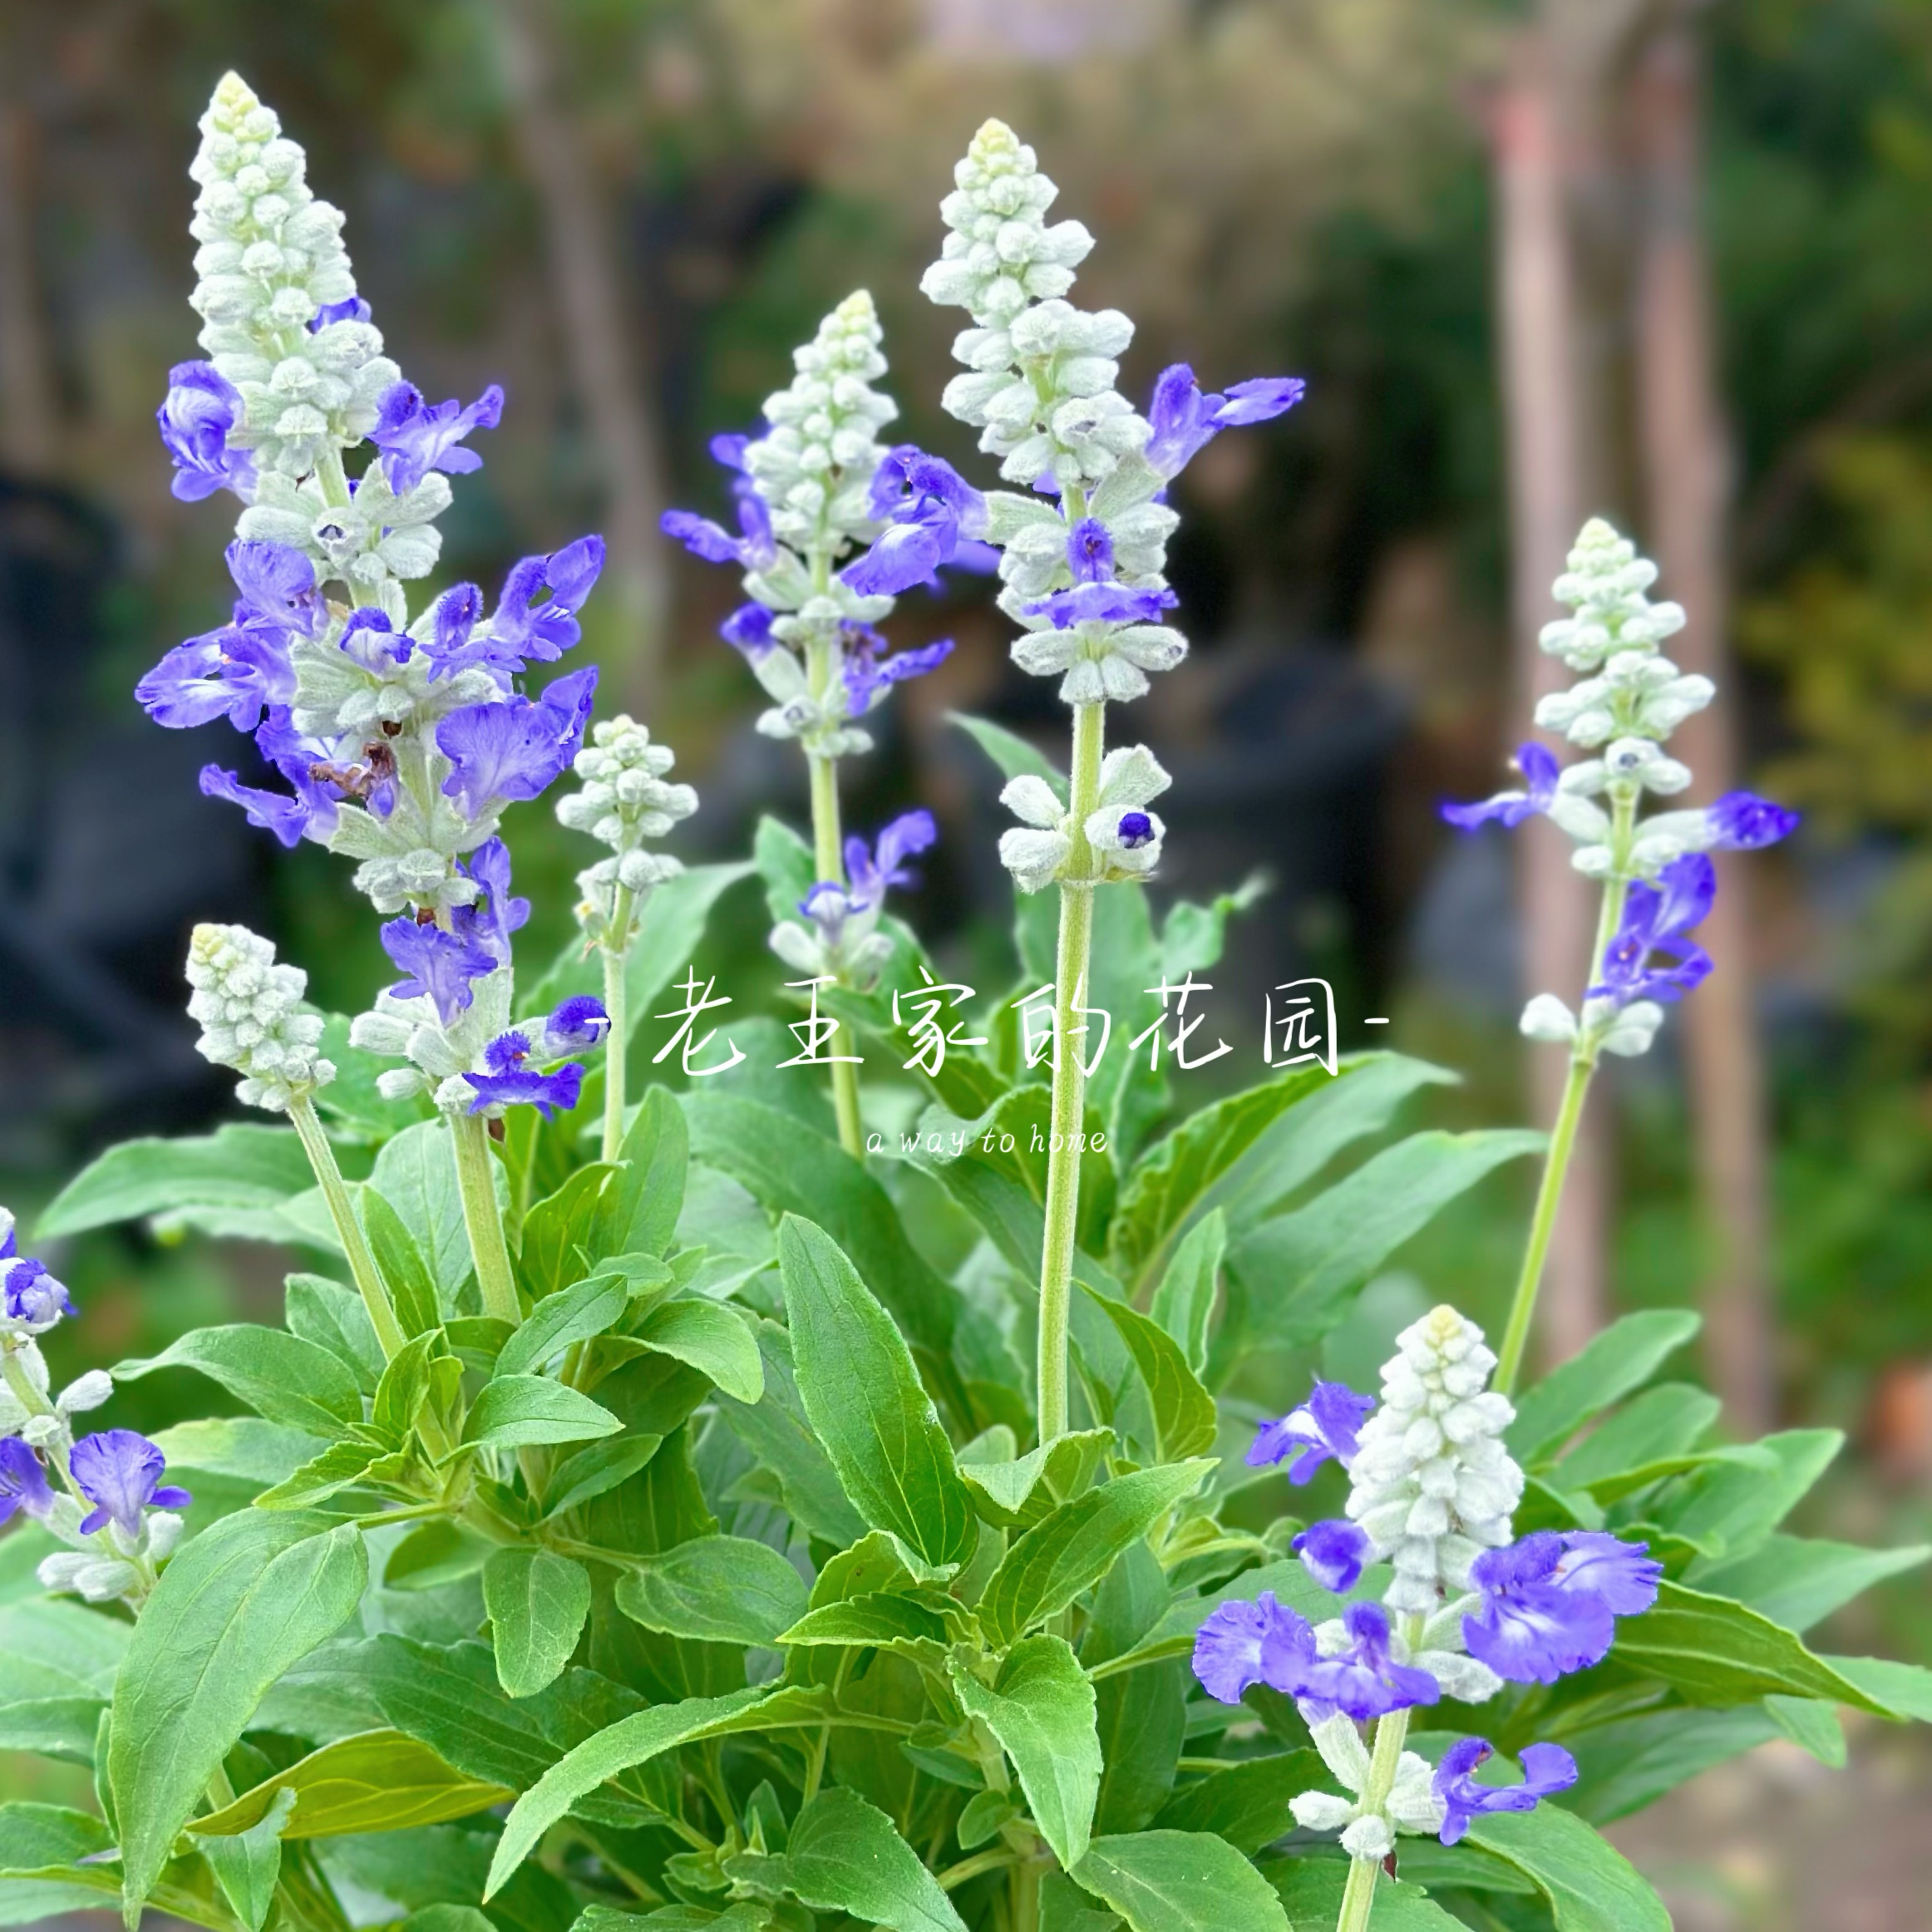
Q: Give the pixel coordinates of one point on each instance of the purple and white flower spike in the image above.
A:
(843, 939)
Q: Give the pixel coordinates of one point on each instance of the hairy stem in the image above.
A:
(1358, 1898)
(476, 1183)
(1583, 1064)
(368, 1277)
(616, 1041)
(1069, 1079)
(829, 863)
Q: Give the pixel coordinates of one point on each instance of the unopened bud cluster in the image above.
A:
(624, 800)
(252, 1016)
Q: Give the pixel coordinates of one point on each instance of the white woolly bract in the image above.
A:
(252, 1016)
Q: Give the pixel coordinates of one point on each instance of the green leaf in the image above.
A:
(642, 1204)
(56, 1650)
(1299, 1270)
(237, 1166)
(865, 1400)
(415, 1173)
(712, 1338)
(845, 1855)
(572, 1315)
(379, 1781)
(1016, 1492)
(537, 1601)
(1184, 1303)
(725, 1588)
(242, 1448)
(332, 1317)
(775, 1430)
(1180, 1881)
(596, 1470)
(1311, 1889)
(558, 1230)
(1658, 1426)
(518, 1412)
(1731, 1505)
(247, 1865)
(1184, 1411)
(235, 1607)
(413, 1291)
(637, 1740)
(339, 1467)
(1053, 1562)
(1173, 1180)
(1248, 1803)
(1040, 1708)
(1797, 1580)
(1622, 1358)
(41, 1872)
(879, 1619)
(1812, 1726)
(1714, 1651)
(1590, 1886)
(1631, 1763)
(64, 1727)
(1015, 756)
(280, 1377)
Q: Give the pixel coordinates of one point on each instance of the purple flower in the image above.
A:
(1183, 419)
(230, 670)
(512, 1082)
(1657, 918)
(755, 547)
(729, 448)
(310, 810)
(278, 593)
(749, 629)
(491, 919)
(931, 508)
(576, 1025)
(118, 1471)
(23, 1484)
(1551, 1602)
(1741, 821)
(31, 1296)
(200, 412)
(350, 308)
(907, 480)
(1540, 773)
(905, 553)
(1135, 830)
(374, 642)
(1090, 551)
(1547, 1768)
(1333, 1553)
(868, 676)
(438, 966)
(1101, 603)
(872, 871)
(1365, 1680)
(513, 750)
(523, 629)
(415, 437)
(1242, 1644)
(453, 620)
(1323, 1428)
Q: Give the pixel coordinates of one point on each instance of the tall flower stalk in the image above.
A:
(1657, 881)
(1080, 561)
(815, 486)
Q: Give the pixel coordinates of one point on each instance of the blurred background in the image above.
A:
(1666, 262)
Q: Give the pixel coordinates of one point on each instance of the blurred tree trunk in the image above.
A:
(1684, 449)
(1536, 300)
(27, 396)
(592, 315)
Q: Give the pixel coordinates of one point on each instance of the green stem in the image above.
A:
(1583, 1064)
(1390, 1734)
(1024, 1890)
(829, 862)
(616, 1041)
(1069, 1105)
(476, 1182)
(342, 1211)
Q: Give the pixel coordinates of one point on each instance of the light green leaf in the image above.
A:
(247, 1865)
(1797, 1580)
(775, 1430)
(537, 1602)
(338, 1467)
(1672, 1420)
(1732, 1504)
(866, 1404)
(1180, 1881)
(1184, 1303)
(1714, 1651)
(412, 1291)
(1812, 1726)
(280, 1377)
(641, 1206)
(637, 1740)
(597, 1469)
(332, 1317)
(1631, 1763)
(415, 1173)
(725, 1588)
(1184, 1411)
(712, 1338)
(1040, 1708)
(879, 1619)
(572, 1315)
(237, 1606)
(517, 1411)
(1590, 1886)
(1901, 1690)
(558, 1230)
(1622, 1358)
(41, 1872)
(379, 1780)
(1053, 1562)
(1015, 1493)
(1299, 1268)
(1248, 1803)
(1015, 756)
(845, 1855)
(243, 1448)
(1311, 1889)
(236, 1167)
(54, 1648)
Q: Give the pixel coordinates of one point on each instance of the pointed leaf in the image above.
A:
(413, 1290)
(1180, 1881)
(712, 1338)
(537, 1602)
(237, 1166)
(516, 1412)
(1184, 1411)
(281, 1377)
(1590, 1886)
(1184, 1303)
(1622, 1358)
(725, 1588)
(572, 1315)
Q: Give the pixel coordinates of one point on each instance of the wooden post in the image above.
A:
(1685, 461)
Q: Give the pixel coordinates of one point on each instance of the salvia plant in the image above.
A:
(669, 1503)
